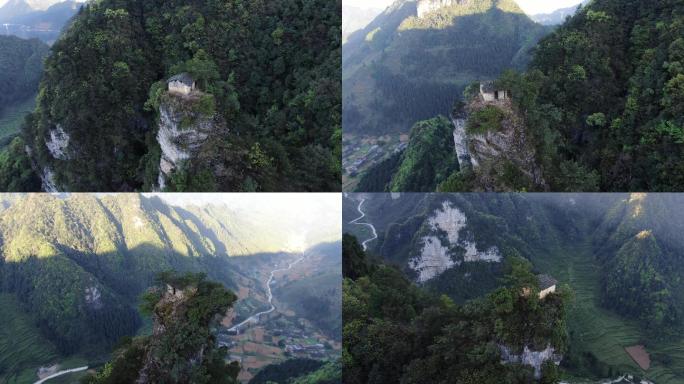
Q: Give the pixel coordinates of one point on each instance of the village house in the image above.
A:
(547, 285)
(490, 93)
(182, 84)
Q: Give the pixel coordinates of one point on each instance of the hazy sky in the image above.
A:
(40, 4)
(529, 6)
(311, 218)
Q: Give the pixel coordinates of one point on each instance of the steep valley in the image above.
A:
(73, 268)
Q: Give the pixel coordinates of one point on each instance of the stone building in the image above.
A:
(182, 84)
(490, 93)
(547, 285)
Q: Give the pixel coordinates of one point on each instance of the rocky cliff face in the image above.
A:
(496, 152)
(426, 6)
(437, 253)
(182, 131)
(529, 357)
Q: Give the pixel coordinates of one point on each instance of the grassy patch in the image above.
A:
(13, 116)
(22, 347)
(485, 120)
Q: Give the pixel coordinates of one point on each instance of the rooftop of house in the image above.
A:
(546, 281)
(487, 87)
(184, 78)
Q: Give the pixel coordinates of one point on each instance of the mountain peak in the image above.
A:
(425, 7)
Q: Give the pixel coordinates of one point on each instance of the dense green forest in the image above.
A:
(397, 332)
(428, 161)
(269, 73)
(604, 95)
(182, 348)
(620, 254)
(401, 69)
(300, 371)
(21, 66)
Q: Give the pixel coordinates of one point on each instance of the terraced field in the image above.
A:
(603, 332)
(22, 347)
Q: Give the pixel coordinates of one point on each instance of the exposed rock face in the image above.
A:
(490, 152)
(58, 143)
(168, 310)
(529, 357)
(93, 297)
(48, 180)
(438, 254)
(181, 133)
(434, 259)
(460, 142)
(426, 6)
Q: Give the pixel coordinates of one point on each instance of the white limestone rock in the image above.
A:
(58, 143)
(534, 359)
(435, 256)
(178, 143)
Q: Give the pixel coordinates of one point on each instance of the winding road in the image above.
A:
(371, 226)
(256, 316)
(60, 373)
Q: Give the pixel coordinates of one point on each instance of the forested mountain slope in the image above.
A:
(21, 67)
(267, 117)
(604, 95)
(396, 331)
(620, 253)
(186, 305)
(403, 67)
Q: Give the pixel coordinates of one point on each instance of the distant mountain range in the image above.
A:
(37, 19)
(355, 18)
(558, 16)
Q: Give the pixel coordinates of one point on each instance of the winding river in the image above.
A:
(255, 317)
(371, 226)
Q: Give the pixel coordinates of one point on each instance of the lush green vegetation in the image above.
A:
(269, 71)
(21, 343)
(300, 371)
(397, 332)
(283, 372)
(16, 174)
(330, 373)
(379, 177)
(182, 348)
(620, 254)
(12, 119)
(317, 298)
(485, 120)
(429, 158)
(603, 96)
(21, 66)
(402, 69)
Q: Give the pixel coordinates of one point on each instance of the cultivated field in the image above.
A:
(602, 332)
